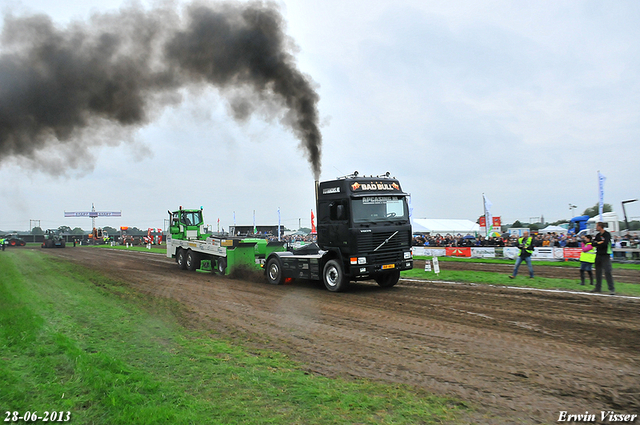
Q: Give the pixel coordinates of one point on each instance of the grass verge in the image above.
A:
(73, 340)
(521, 280)
(575, 264)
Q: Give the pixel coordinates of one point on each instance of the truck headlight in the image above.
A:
(362, 260)
(407, 255)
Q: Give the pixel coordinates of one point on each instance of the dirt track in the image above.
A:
(520, 356)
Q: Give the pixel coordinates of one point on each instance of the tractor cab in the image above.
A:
(187, 224)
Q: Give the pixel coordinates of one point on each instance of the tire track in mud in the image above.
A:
(522, 356)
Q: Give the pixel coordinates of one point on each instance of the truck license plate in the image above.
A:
(388, 266)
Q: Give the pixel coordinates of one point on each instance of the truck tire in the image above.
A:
(221, 265)
(274, 271)
(333, 276)
(192, 261)
(387, 280)
(181, 259)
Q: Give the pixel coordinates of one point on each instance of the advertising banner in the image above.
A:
(458, 252)
(510, 251)
(544, 252)
(428, 252)
(483, 252)
(572, 252)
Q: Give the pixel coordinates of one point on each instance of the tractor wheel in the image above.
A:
(221, 265)
(181, 259)
(333, 276)
(274, 272)
(192, 261)
(387, 280)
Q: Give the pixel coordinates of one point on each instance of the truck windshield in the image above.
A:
(379, 208)
(192, 218)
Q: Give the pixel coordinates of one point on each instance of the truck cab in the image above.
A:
(364, 232)
(187, 224)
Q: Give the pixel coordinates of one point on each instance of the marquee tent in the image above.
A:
(444, 226)
(554, 229)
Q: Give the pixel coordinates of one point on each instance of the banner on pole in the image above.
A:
(601, 180)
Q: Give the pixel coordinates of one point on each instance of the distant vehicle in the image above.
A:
(611, 224)
(578, 224)
(14, 240)
(53, 239)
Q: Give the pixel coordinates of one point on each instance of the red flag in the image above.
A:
(313, 225)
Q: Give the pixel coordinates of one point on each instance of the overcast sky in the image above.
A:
(521, 101)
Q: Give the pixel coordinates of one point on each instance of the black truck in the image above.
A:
(364, 232)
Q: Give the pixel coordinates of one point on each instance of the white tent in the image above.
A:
(444, 226)
(554, 229)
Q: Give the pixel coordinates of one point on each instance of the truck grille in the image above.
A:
(367, 242)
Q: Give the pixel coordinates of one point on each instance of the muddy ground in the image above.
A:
(518, 356)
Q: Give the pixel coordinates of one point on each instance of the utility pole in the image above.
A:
(36, 223)
(625, 212)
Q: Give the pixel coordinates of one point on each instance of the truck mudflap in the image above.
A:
(369, 269)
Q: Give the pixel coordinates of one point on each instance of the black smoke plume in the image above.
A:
(62, 87)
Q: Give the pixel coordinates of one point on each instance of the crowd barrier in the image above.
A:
(539, 253)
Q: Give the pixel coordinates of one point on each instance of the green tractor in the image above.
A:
(53, 239)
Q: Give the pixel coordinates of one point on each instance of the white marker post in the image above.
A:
(436, 265)
(427, 265)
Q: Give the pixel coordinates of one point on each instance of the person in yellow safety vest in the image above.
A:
(2, 242)
(587, 258)
(525, 243)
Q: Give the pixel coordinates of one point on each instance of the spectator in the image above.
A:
(587, 258)
(525, 244)
(602, 242)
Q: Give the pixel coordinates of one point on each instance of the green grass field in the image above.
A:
(627, 266)
(73, 340)
(522, 280)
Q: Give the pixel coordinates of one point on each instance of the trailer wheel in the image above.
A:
(387, 280)
(274, 272)
(221, 265)
(333, 276)
(192, 261)
(180, 259)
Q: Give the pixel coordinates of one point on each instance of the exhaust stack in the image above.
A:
(317, 183)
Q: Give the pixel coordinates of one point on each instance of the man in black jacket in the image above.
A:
(602, 243)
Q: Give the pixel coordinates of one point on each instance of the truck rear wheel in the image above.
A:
(181, 259)
(221, 265)
(387, 280)
(192, 261)
(333, 276)
(274, 272)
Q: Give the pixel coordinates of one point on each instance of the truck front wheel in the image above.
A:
(181, 259)
(387, 280)
(274, 272)
(333, 276)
